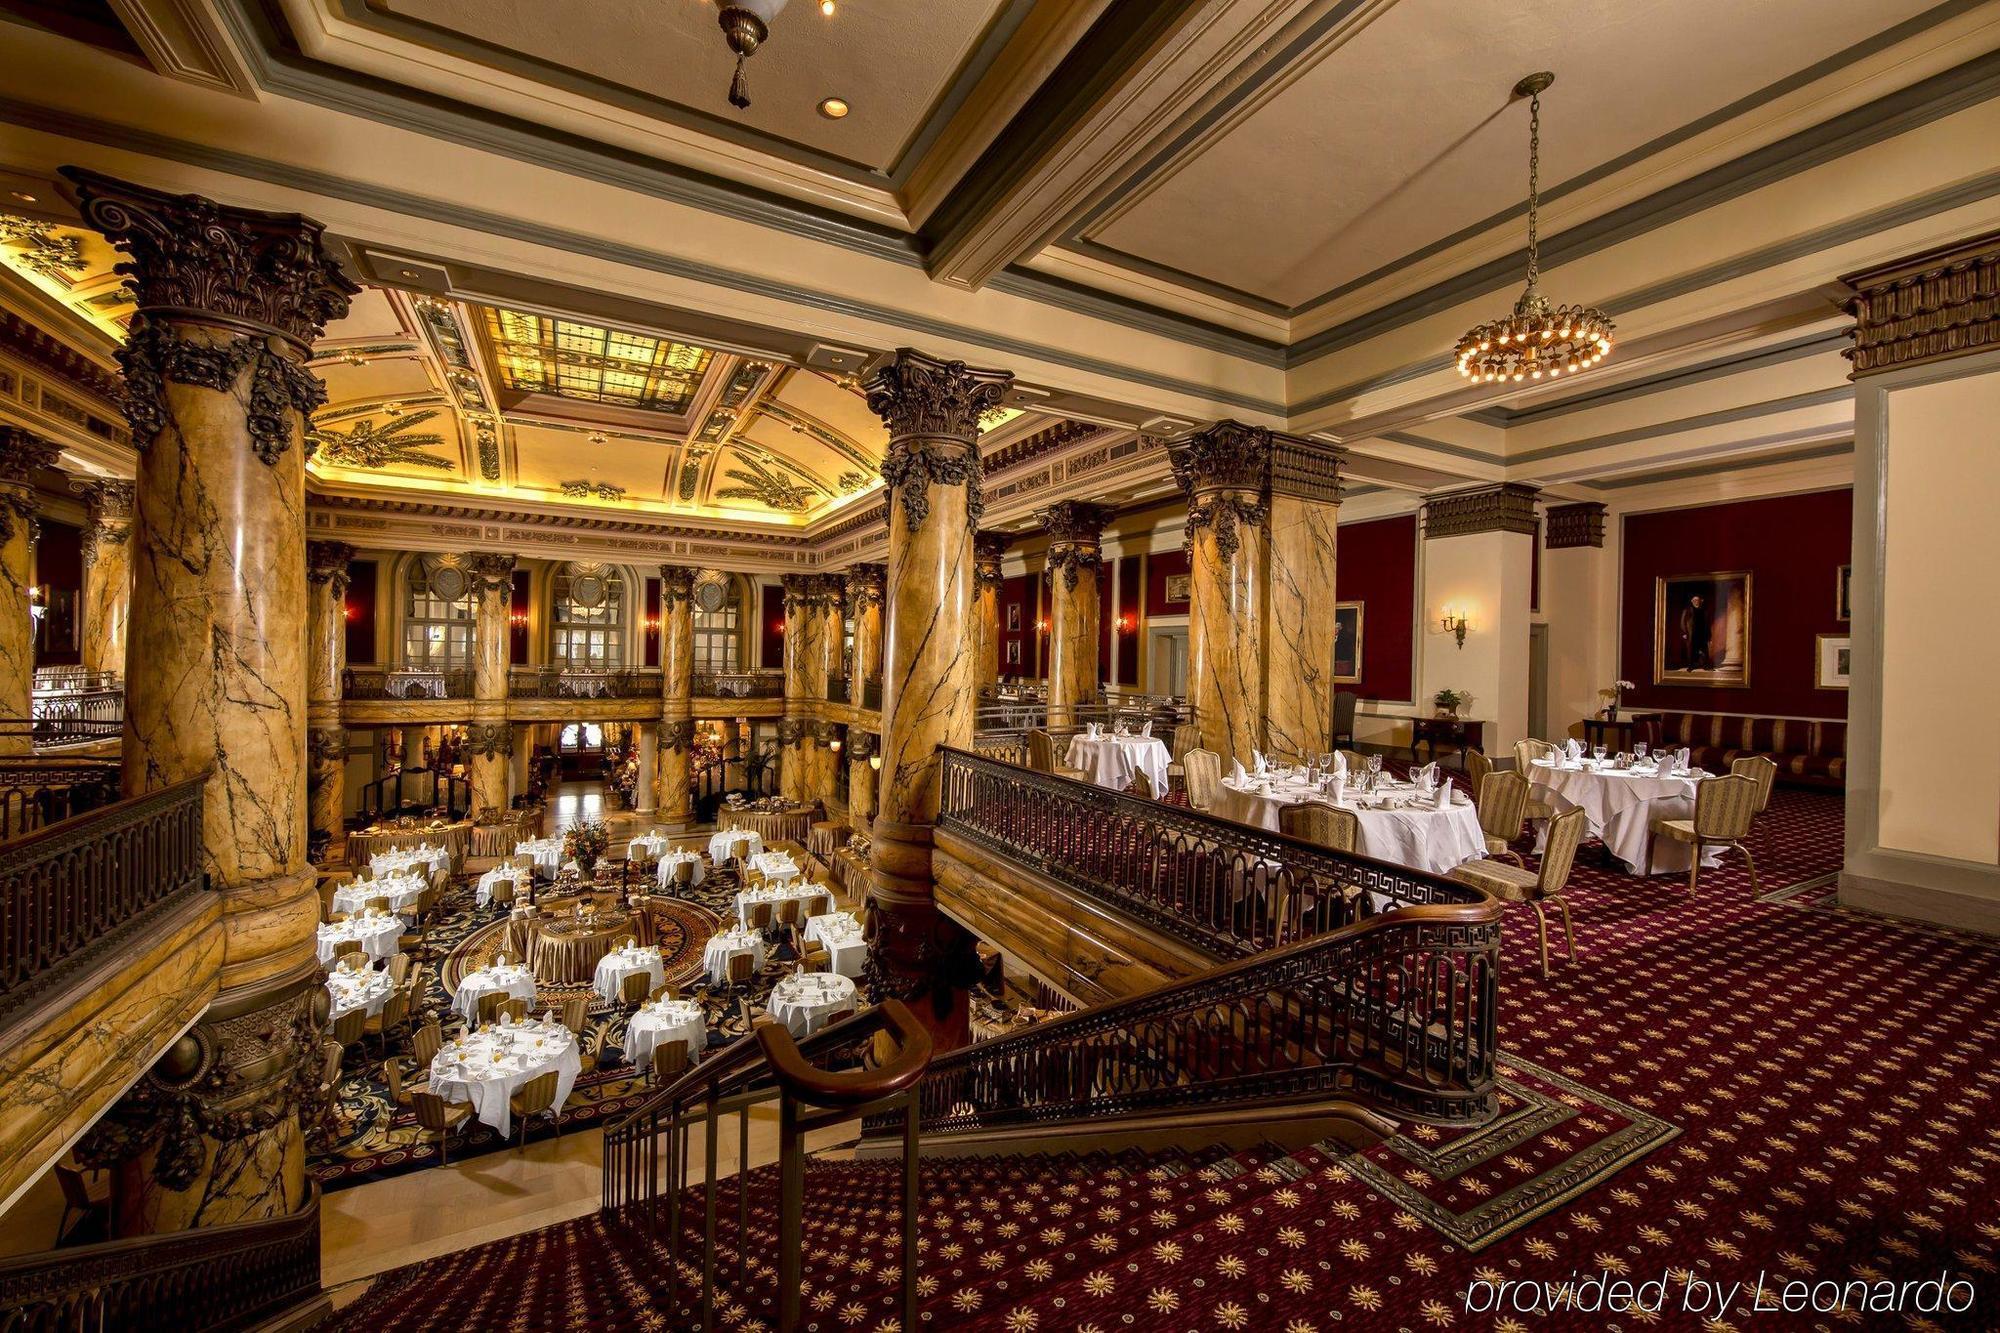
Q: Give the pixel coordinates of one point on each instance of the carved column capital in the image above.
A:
(1573, 525)
(804, 592)
(264, 284)
(326, 746)
(988, 550)
(676, 586)
(1507, 506)
(863, 585)
(22, 453)
(490, 740)
(1076, 532)
(107, 506)
(933, 409)
(1927, 307)
(326, 562)
(862, 745)
(492, 572)
(792, 730)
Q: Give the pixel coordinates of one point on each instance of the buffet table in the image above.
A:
(456, 839)
(791, 824)
(565, 950)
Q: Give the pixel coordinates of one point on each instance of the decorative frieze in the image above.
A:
(932, 409)
(1507, 506)
(1931, 306)
(1572, 525)
(490, 740)
(1307, 469)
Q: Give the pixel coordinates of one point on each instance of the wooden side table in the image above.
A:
(1615, 734)
(1461, 733)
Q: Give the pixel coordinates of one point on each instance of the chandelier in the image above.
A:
(1539, 340)
(745, 26)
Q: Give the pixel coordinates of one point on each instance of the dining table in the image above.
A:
(660, 1021)
(648, 847)
(402, 891)
(1620, 802)
(805, 1001)
(788, 823)
(351, 988)
(564, 949)
(546, 854)
(778, 893)
(840, 934)
(420, 860)
(515, 980)
(669, 871)
(522, 880)
(727, 944)
(777, 867)
(1397, 822)
(454, 838)
(488, 1067)
(378, 936)
(620, 963)
(730, 843)
(1110, 760)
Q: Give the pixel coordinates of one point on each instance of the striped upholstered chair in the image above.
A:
(1503, 802)
(1761, 770)
(1321, 824)
(1526, 752)
(1204, 777)
(1477, 766)
(1723, 811)
(1042, 757)
(1536, 887)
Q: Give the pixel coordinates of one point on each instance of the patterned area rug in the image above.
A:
(1820, 1088)
(375, 1138)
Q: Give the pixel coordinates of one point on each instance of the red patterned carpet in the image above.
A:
(1717, 1089)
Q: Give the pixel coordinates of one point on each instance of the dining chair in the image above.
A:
(683, 874)
(350, 1027)
(489, 1006)
(1321, 824)
(1760, 769)
(516, 1009)
(378, 905)
(1535, 887)
(1477, 766)
(666, 990)
(437, 1116)
(1526, 752)
(392, 1074)
(1723, 811)
(399, 968)
(336, 918)
(1357, 762)
(1204, 777)
(501, 894)
(670, 1061)
(352, 950)
(395, 1014)
(633, 988)
(1042, 757)
(1503, 803)
(760, 916)
(429, 1039)
(837, 1016)
(742, 967)
(330, 1056)
(535, 1097)
(787, 911)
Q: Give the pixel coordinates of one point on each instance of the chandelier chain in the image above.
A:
(1534, 187)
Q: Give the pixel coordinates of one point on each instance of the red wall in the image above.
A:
(1017, 591)
(1376, 565)
(1160, 566)
(1794, 545)
(771, 626)
(362, 577)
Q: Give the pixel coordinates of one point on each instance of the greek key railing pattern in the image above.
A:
(212, 1278)
(77, 716)
(1226, 887)
(88, 881)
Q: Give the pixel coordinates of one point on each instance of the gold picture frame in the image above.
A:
(1351, 657)
(1833, 662)
(1702, 629)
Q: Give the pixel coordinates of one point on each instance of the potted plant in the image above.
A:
(1449, 702)
(1615, 692)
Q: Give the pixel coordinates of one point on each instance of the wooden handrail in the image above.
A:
(854, 1087)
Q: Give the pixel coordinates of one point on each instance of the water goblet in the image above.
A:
(1639, 751)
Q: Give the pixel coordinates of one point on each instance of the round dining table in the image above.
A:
(1620, 804)
(359, 988)
(733, 843)
(662, 1021)
(790, 824)
(725, 945)
(669, 870)
(804, 1001)
(522, 880)
(378, 936)
(614, 967)
(1111, 760)
(402, 891)
(842, 938)
(1398, 823)
(490, 1066)
(512, 979)
(564, 950)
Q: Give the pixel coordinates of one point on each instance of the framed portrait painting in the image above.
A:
(1014, 617)
(1701, 629)
(1180, 588)
(1346, 642)
(1835, 661)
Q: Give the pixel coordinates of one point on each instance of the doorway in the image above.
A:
(1538, 681)
(1166, 660)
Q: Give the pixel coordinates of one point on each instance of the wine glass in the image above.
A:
(1597, 753)
(1639, 749)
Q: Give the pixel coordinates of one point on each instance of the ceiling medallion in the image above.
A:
(1539, 340)
(745, 24)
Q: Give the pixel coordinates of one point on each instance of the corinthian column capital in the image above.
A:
(326, 562)
(933, 409)
(492, 572)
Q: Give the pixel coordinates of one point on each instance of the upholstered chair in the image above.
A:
(1321, 824)
(1526, 752)
(535, 1097)
(350, 1027)
(394, 1017)
(399, 968)
(1503, 802)
(1477, 766)
(516, 1009)
(670, 1061)
(1723, 811)
(1760, 769)
(1535, 887)
(425, 1045)
(742, 967)
(632, 990)
(1204, 778)
(437, 1116)
(575, 1013)
(490, 1005)
(392, 1074)
(501, 895)
(1042, 757)
(1357, 762)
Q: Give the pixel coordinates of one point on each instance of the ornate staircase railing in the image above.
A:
(238, 1276)
(37, 791)
(81, 885)
(863, 1066)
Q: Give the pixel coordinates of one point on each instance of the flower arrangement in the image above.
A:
(1615, 692)
(1450, 701)
(585, 843)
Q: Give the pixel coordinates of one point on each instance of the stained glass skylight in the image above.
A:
(591, 363)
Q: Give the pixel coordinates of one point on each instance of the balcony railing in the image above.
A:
(77, 886)
(862, 694)
(405, 683)
(237, 1276)
(72, 706)
(36, 792)
(577, 683)
(1001, 727)
(738, 685)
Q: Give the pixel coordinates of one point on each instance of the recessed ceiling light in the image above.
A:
(826, 7)
(833, 108)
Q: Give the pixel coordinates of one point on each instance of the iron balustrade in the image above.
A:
(555, 682)
(236, 1276)
(416, 792)
(738, 685)
(81, 885)
(1001, 726)
(369, 684)
(832, 1077)
(78, 717)
(37, 791)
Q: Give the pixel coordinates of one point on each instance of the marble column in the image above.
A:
(1076, 552)
(229, 302)
(326, 661)
(862, 746)
(1222, 472)
(864, 599)
(930, 685)
(825, 756)
(1298, 607)
(489, 739)
(107, 571)
(988, 548)
(21, 453)
(676, 809)
(646, 742)
(805, 684)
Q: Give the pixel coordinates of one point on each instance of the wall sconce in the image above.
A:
(1127, 623)
(350, 611)
(1042, 625)
(1455, 624)
(834, 745)
(777, 627)
(38, 602)
(875, 762)
(518, 619)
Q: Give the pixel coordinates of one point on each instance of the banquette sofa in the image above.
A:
(1810, 753)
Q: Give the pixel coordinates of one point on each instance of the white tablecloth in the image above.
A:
(519, 878)
(672, 859)
(775, 894)
(467, 1070)
(1420, 837)
(1111, 760)
(731, 842)
(402, 892)
(725, 945)
(366, 989)
(377, 936)
(614, 967)
(648, 847)
(775, 866)
(1620, 807)
(515, 979)
(841, 934)
(803, 1001)
(664, 1021)
(421, 859)
(547, 853)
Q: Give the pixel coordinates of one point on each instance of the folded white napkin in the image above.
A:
(1426, 777)
(1093, 731)
(1444, 796)
(1236, 773)
(1146, 730)
(1257, 758)
(1339, 785)
(1574, 748)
